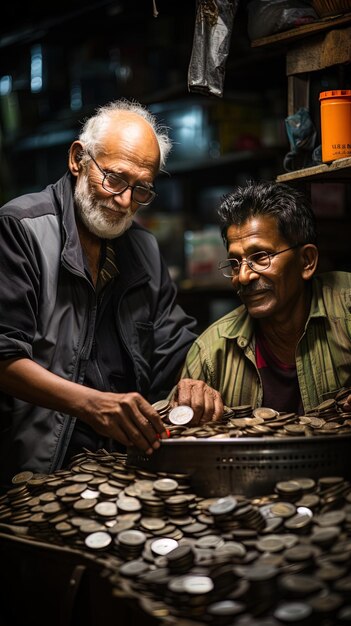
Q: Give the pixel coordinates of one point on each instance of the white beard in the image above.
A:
(94, 218)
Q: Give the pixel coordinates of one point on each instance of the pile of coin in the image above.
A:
(284, 557)
(328, 418)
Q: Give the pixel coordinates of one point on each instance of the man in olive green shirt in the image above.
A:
(288, 346)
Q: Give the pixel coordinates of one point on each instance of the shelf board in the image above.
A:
(287, 36)
(339, 170)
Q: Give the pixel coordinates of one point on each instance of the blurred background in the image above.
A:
(60, 61)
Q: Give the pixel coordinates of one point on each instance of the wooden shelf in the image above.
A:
(293, 34)
(339, 170)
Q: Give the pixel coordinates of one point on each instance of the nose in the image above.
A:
(124, 199)
(246, 274)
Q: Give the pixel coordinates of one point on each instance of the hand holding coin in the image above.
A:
(127, 418)
(205, 401)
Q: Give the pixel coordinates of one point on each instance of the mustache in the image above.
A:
(126, 213)
(252, 288)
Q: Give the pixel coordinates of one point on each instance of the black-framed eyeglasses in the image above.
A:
(257, 262)
(113, 183)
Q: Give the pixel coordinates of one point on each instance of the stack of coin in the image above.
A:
(255, 561)
(162, 407)
(181, 559)
(130, 543)
(328, 418)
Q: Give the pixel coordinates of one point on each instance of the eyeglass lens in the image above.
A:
(116, 184)
(258, 261)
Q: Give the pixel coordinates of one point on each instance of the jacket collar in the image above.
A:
(128, 261)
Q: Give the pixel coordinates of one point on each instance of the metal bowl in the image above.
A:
(250, 466)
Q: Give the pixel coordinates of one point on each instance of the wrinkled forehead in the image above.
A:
(258, 231)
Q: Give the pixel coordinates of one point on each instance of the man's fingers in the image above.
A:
(130, 419)
(206, 402)
(184, 391)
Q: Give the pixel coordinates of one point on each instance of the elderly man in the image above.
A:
(90, 332)
(288, 346)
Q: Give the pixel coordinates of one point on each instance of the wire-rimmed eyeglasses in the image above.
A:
(257, 262)
(113, 183)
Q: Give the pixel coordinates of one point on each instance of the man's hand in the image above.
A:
(127, 418)
(206, 402)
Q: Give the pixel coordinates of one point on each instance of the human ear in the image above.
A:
(309, 260)
(76, 152)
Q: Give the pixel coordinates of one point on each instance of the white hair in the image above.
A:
(94, 129)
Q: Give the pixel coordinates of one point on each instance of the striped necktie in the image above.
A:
(109, 268)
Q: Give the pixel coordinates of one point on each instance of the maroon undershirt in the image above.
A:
(280, 384)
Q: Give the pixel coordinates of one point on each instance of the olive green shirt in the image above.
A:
(224, 354)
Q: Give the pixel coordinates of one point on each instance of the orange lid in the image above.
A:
(335, 93)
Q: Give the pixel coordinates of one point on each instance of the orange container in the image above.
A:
(335, 124)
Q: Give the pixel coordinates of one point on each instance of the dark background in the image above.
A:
(88, 53)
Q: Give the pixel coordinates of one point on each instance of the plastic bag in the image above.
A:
(266, 17)
(302, 138)
(212, 35)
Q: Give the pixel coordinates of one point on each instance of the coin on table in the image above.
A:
(133, 569)
(131, 537)
(283, 509)
(223, 506)
(197, 584)
(163, 546)
(330, 518)
(271, 543)
(289, 488)
(298, 521)
(166, 485)
(22, 478)
(98, 540)
(265, 412)
(225, 608)
(106, 509)
(181, 415)
(291, 612)
(128, 504)
(325, 604)
(152, 523)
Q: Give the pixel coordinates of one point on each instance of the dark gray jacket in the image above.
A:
(48, 311)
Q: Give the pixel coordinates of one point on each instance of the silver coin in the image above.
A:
(271, 543)
(106, 509)
(166, 485)
(181, 415)
(222, 506)
(128, 504)
(198, 584)
(292, 611)
(131, 537)
(163, 546)
(161, 405)
(89, 494)
(152, 523)
(265, 412)
(98, 540)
